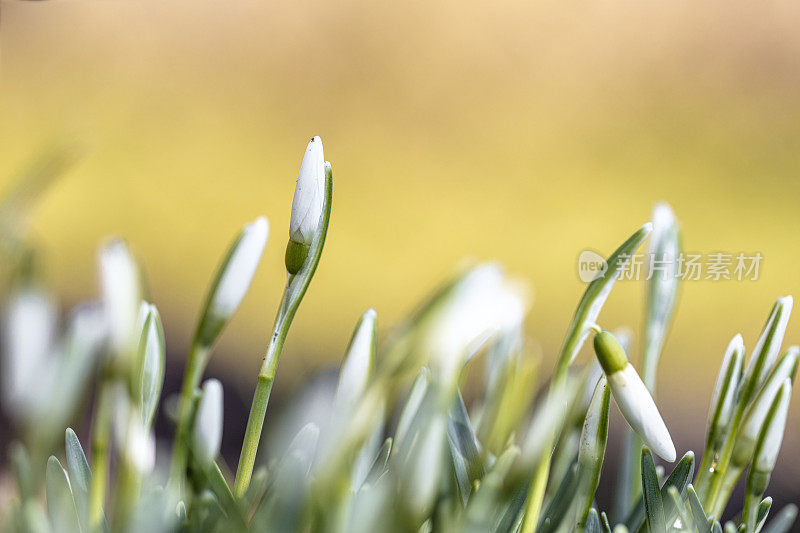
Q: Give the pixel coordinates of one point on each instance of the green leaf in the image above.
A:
(378, 467)
(592, 450)
(783, 521)
(683, 512)
(152, 361)
(593, 524)
(606, 523)
(561, 502)
(464, 447)
(60, 505)
(662, 289)
(79, 474)
(595, 296)
(766, 351)
(224, 495)
(698, 513)
(763, 511)
(679, 478)
(654, 507)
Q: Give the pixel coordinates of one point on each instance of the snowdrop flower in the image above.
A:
(724, 397)
(768, 347)
(357, 364)
(632, 396)
(152, 360)
(29, 330)
(483, 304)
(207, 433)
(135, 441)
(119, 279)
(239, 269)
(757, 413)
(427, 462)
(309, 196)
(772, 434)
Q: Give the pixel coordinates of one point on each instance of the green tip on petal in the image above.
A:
(296, 254)
(609, 352)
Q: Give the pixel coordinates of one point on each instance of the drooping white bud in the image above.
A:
(119, 281)
(309, 194)
(640, 411)
(239, 269)
(207, 433)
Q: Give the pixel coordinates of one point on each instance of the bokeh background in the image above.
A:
(509, 131)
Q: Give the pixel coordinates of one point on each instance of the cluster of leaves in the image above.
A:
(396, 447)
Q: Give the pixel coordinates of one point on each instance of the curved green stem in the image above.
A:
(296, 287)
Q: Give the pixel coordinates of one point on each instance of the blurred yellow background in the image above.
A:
(504, 130)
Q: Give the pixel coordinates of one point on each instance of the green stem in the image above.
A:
(101, 432)
(756, 485)
(195, 366)
(296, 287)
(717, 471)
(258, 410)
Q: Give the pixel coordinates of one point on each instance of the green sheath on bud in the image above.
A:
(296, 253)
(609, 352)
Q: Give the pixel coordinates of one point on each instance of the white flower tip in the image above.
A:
(208, 426)
(648, 227)
(786, 302)
(667, 452)
(308, 194)
(639, 409)
(737, 341)
(663, 215)
(121, 292)
(240, 269)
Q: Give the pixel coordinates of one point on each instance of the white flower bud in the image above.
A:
(207, 432)
(768, 346)
(29, 329)
(640, 411)
(309, 194)
(357, 364)
(119, 279)
(767, 450)
(483, 304)
(136, 442)
(724, 396)
(427, 462)
(239, 269)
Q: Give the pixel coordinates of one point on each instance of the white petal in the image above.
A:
(355, 370)
(482, 305)
(309, 194)
(768, 452)
(119, 280)
(734, 355)
(757, 413)
(782, 312)
(640, 411)
(29, 325)
(207, 434)
(426, 468)
(240, 269)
